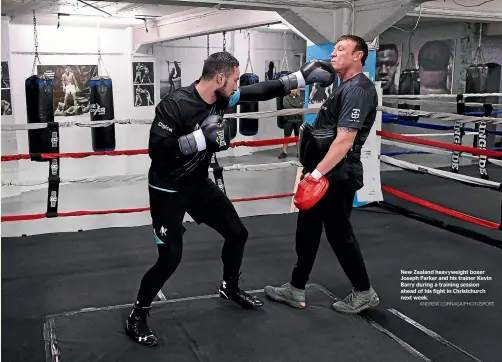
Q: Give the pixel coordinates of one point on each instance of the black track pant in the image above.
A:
(333, 211)
(205, 203)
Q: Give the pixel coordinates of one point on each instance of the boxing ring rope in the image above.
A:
(466, 152)
(468, 180)
(141, 177)
(427, 150)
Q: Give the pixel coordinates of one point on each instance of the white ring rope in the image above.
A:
(92, 124)
(436, 151)
(439, 115)
(436, 134)
(425, 96)
(430, 101)
(259, 115)
(141, 177)
(440, 173)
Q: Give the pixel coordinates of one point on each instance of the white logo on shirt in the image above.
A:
(355, 114)
(163, 126)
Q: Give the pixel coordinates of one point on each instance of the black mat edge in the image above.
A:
(53, 353)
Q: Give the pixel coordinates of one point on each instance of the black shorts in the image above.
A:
(203, 201)
(290, 126)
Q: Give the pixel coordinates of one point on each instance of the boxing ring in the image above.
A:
(70, 292)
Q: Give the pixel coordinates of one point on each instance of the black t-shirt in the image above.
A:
(178, 114)
(352, 105)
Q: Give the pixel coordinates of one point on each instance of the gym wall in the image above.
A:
(265, 46)
(9, 141)
(76, 45)
(462, 39)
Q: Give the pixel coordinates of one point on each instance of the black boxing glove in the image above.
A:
(213, 135)
(315, 71)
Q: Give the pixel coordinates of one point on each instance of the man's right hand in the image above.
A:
(315, 71)
(214, 135)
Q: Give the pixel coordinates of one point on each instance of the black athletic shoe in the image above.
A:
(138, 330)
(239, 296)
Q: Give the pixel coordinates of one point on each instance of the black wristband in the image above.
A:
(289, 82)
(188, 144)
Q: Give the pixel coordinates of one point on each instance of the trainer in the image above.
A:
(330, 152)
(187, 130)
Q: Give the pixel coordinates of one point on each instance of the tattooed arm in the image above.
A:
(356, 106)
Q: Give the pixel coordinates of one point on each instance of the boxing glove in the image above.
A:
(310, 190)
(315, 71)
(213, 135)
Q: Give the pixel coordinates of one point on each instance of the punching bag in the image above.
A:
(279, 101)
(101, 100)
(476, 78)
(409, 84)
(40, 109)
(232, 121)
(248, 126)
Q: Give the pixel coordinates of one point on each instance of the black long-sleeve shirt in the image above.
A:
(180, 113)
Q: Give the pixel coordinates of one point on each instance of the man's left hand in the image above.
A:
(310, 190)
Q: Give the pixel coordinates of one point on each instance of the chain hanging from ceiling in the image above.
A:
(35, 37)
(248, 35)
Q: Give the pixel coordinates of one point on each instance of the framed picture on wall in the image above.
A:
(143, 84)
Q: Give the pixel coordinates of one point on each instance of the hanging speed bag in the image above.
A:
(279, 101)
(248, 126)
(40, 109)
(232, 121)
(101, 100)
(409, 84)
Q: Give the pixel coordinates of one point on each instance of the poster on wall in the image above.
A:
(143, 73)
(71, 87)
(6, 98)
(272, 68)
(5, 75)
(435, 62)
(388, 67)
(143, 83)
(170, 77)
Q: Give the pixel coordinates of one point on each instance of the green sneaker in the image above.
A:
(356, 302)
(287, 294)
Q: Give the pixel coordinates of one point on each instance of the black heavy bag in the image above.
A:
(101, 100)
(279, 101)
(493, 81)
(409, 84)
(40, 109)
(476, 78)
(248, 126)
(232, 121)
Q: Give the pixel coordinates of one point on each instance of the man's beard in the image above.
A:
(221, 98)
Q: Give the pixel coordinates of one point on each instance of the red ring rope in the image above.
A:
(447, 146)
(260, 143)
(123, 211)
(441, 209)
(268, 142)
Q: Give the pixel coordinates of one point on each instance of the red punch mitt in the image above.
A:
(310, 191)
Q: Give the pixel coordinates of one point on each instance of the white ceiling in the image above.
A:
(93, 8)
